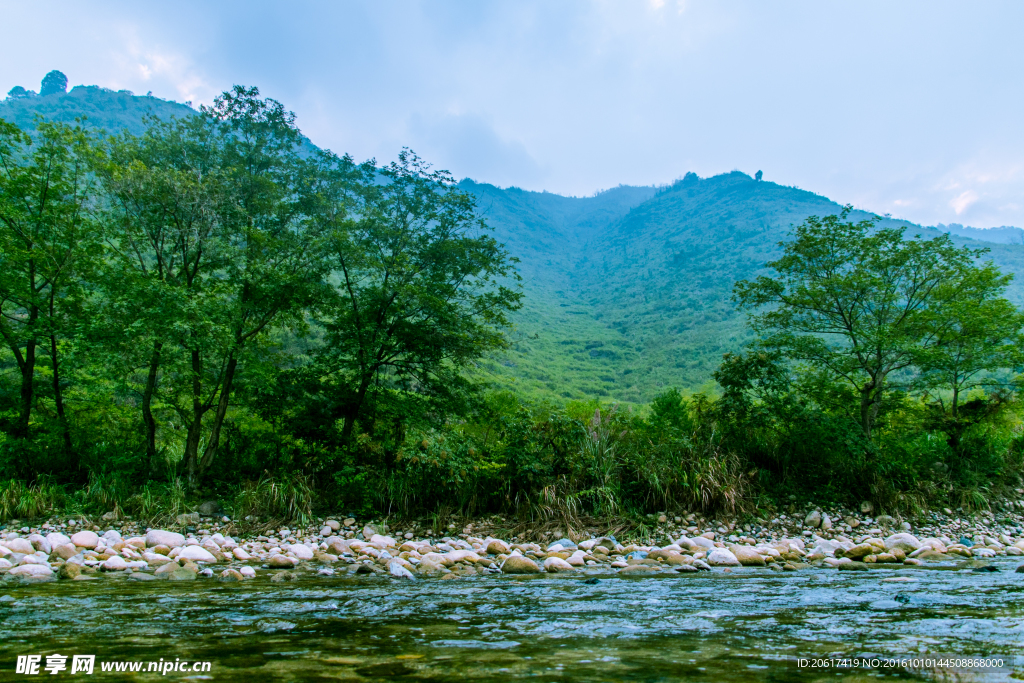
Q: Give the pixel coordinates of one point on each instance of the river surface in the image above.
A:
(743, 625)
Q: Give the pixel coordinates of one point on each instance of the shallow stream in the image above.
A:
(743, 625)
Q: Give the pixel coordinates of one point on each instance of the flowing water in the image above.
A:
(744, 625)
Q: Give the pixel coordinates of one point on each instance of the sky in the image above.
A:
(911, 109)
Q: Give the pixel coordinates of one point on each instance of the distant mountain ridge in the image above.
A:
(1004, 234)
(627, 292)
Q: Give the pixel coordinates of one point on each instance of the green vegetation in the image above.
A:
(207, 306)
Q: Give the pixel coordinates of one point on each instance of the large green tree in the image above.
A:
(857, 302)
(48, 246)
(422, 291)
(166, 191)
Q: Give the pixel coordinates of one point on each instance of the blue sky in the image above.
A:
(909, 108)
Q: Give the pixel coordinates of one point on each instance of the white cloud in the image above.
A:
(963, 201)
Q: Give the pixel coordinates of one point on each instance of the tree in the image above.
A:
(856, 302)
(758, 175)
(272, 265)
(18, 92)
(422, 291)
(165, 192)
(48, 243)
(977, 333)
(53, 83)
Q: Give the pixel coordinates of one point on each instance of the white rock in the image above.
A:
(396, 570)
(85, 539)
(247, 572)
(20, 545)
(40, 543)
(556, 564)
(56, 538)
(241, 555)
(197, 554)
(4, 564)
(721, 557)
(813, 519)
(155, 537)
(905, 542)
(300, 551)
(114, 564)
(31, 570)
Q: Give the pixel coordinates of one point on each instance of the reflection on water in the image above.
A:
(744, 625)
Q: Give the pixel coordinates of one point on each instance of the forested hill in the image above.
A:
(632, 292)
(627, 291)
(109, 110)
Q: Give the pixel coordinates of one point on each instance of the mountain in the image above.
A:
(1004, 234)
(627, 292)
(109, 110)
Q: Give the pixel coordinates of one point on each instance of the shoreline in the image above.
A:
(816, 537)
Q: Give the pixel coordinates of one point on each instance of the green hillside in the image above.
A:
(626, 292)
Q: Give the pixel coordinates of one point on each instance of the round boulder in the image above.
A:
(517, 564)
(85, 539)
(169, 539)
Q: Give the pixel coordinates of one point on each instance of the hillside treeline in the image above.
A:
(211, 309)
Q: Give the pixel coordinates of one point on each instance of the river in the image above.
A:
(743, 625)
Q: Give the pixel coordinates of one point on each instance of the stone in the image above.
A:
(396, 570)
(701, 565)
(826, 522)
(209, 508)
(368, 531)
(196, 553)
(85, 539)
(349, 521)
(635, 569)
(748, 557)
(22, 545)
(553, 565)
(280, 562)
(283, 576)
(813, 519)
(180, 574)
(70, 570)
(904, 541)
(563, 543)
(853, 567)
(852, 522)
(687, 568)
(141, 576)
(517, 564)
(326, 531)
(302, 552)
(114, 564)
(39, 543)
(866, 508)
(32, 570)
(241, 555)
(858, 551)
(187, 519)
(57, 539)
(722, 557)
(168, 539)
(231, 575)
(247, 572)
(497, 547)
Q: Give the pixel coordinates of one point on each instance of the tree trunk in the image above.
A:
(195, 429)
(58, 396)
(218, 418)
(867, 408)
(147, 408)
(352, 411)
(27, 388)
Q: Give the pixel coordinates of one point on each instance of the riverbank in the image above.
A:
(215, 545)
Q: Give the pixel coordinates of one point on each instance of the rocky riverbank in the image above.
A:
(203, 547)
